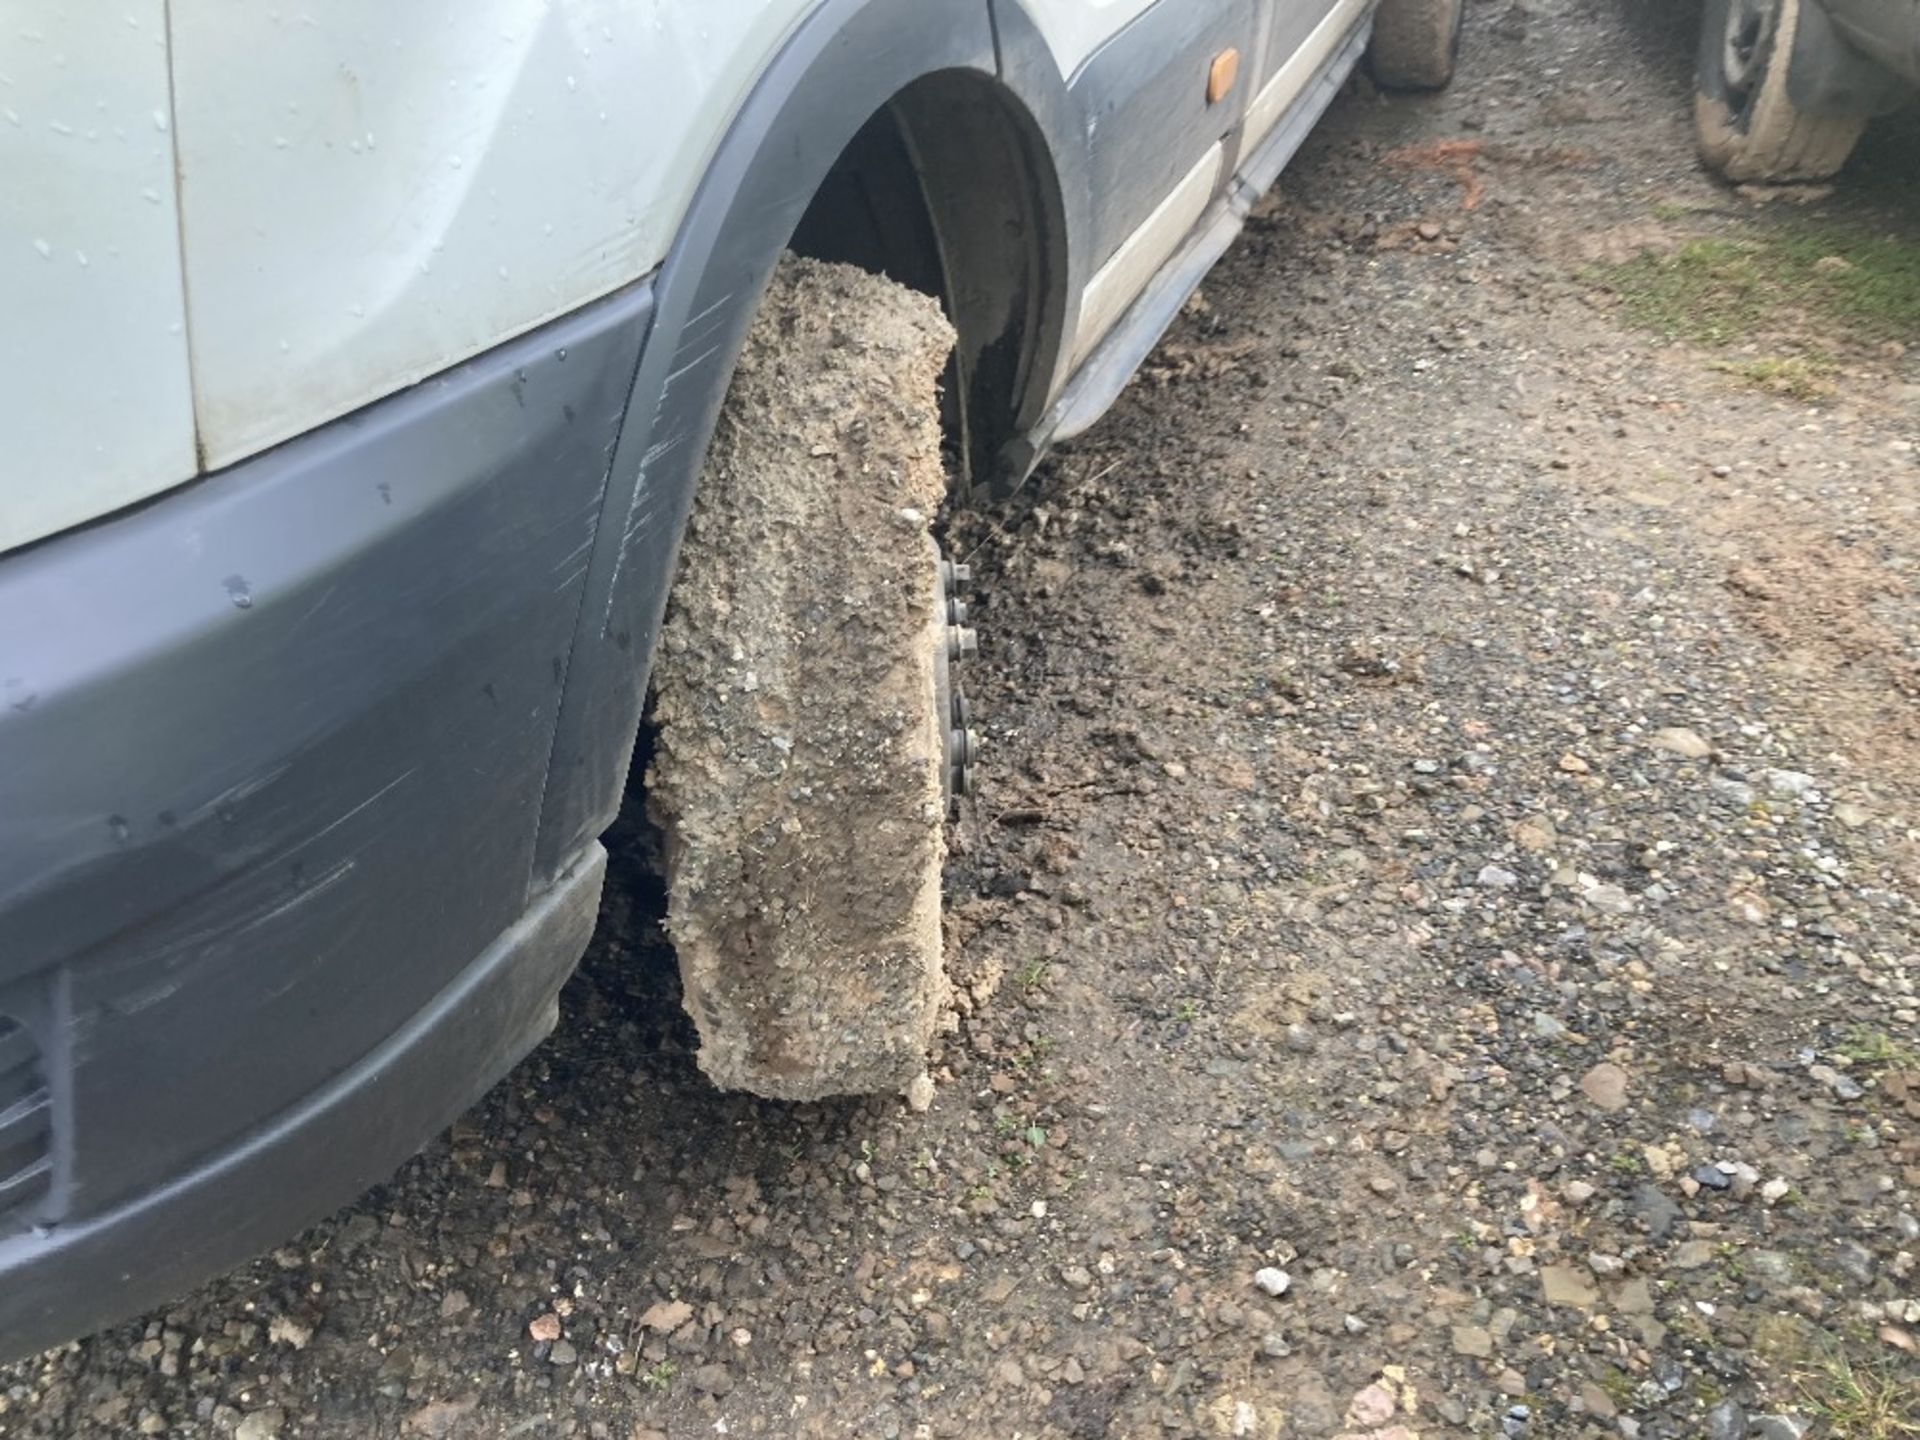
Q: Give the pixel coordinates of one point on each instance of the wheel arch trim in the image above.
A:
(842, 65)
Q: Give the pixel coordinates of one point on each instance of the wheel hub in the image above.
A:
(1747, 42)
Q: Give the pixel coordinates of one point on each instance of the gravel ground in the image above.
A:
(1435, 952)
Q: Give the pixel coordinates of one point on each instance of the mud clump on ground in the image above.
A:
(797, 777)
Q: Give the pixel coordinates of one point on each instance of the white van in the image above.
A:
(357, 366)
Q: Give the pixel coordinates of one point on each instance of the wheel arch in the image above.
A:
(950, 188)
(845, 64)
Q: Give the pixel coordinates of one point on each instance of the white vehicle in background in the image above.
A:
(359, 363)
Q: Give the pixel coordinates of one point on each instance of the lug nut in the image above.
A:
(961, 641)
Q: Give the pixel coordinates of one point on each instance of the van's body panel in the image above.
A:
(96, 400)
(302, 766)
(1074, 29)
(372, 192)
(1887, 31)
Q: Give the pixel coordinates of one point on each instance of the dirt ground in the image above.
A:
(1436, 942)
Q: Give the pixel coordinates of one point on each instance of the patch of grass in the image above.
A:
(1865, 1401)
(1875, 1047)
(1722, 291)
(1798, 377)
(660, 1376)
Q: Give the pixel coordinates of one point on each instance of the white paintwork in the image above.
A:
(1121, 279)
(373, 190)
(1297, 73)
(96, 409)
(1074, 29)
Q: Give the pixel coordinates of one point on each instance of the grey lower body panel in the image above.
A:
(272, 754)
(349, 1134)
(1106, 372)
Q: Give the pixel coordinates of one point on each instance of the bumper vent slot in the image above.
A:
(26, 1127)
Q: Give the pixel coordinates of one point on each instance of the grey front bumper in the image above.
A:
(273, 751)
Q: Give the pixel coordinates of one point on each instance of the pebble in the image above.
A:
(1778, 1427)
(663, 1315)
(1791, 784)
(1775, 1190)
(1854, 1261)
(1597, 1402)
(563, 1353)
(1660, 1213)
(1606, 1086)
(1712, 1177)
(1727, 1421)
(1473, 1340)
(1564, 1285)
(1607, 899)
(1843, 1087)
(1736, 793)
(264, 1424)
(1680, 741)
(1493, 877)
(546, 1328)
(1371, 1407)
(1274, 1281)
(920, 1093)
(1693, 1255)
(1772, 1267)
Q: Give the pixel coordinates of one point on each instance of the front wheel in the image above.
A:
(1415, 43)
(1746, 123)
(808, 734)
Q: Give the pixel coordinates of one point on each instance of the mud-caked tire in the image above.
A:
(1745, 121)
(1415, 43)
(799, 767)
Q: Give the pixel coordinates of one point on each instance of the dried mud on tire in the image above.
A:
(797, 772)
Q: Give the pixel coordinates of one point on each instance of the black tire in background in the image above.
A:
(1746, 123)
(1415, 43)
